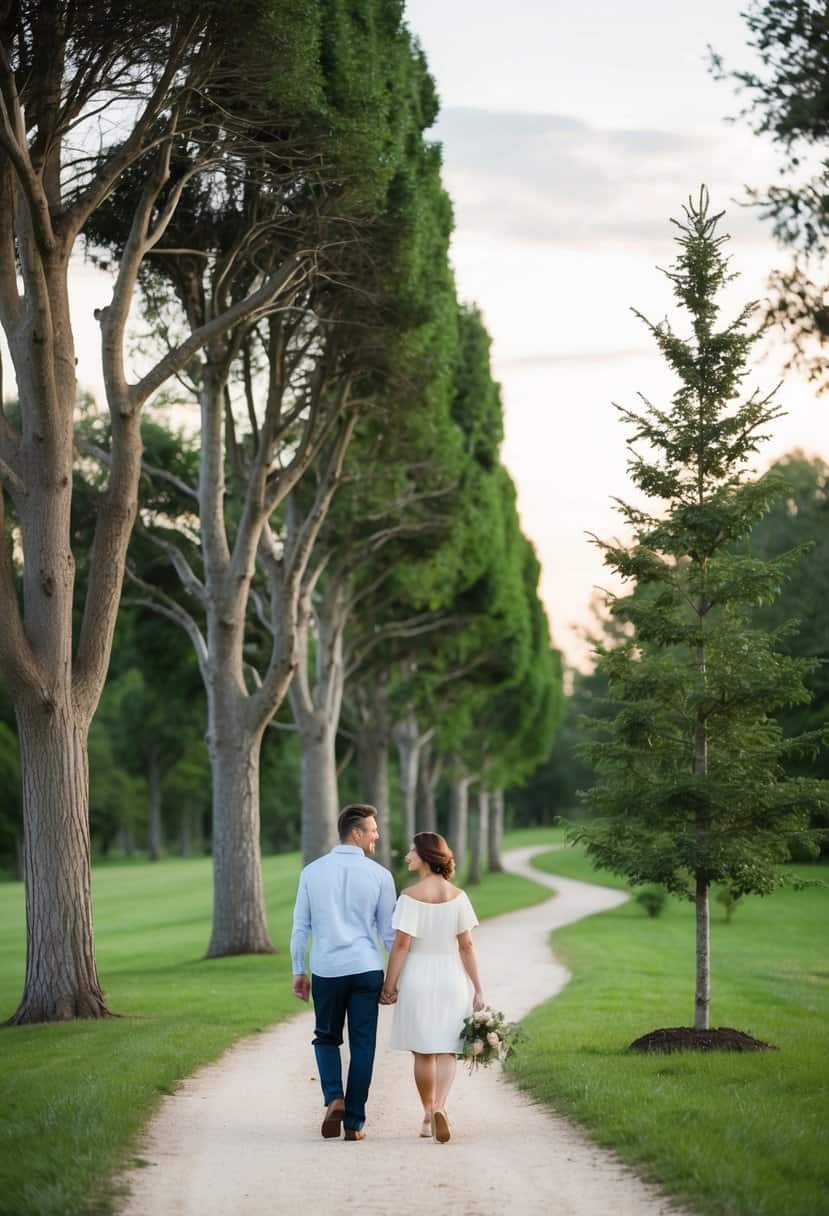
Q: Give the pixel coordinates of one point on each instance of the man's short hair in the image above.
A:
(351, 816)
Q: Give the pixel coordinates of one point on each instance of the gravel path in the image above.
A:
(241, 1137)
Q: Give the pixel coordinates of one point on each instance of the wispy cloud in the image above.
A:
(557, 180)
(572, 358)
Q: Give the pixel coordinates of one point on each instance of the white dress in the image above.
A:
(434, 992)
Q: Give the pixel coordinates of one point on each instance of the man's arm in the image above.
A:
(385, 908)
(299, 940)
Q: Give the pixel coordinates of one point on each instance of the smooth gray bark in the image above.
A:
(239, 921)
(155, 825)
(316, 702)
(407, 740)
(429, 770)
(702, 996)
(459, 821)
(702, 990)
(373, 751)
(320, 793)
(480, 835)
(368, 700)
(496, 831)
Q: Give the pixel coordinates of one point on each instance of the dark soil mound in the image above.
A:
(685, 1038)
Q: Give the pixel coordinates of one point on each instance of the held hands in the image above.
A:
(301, 987)
(478, 1002)
(388, 998)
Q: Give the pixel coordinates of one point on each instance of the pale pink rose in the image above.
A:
(492, 1039)
(477, 1047)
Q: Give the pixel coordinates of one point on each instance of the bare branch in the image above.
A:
(18, 663)
(10, 479)
(158, 601)
(259, 301)
(187, 576)
(133, 147)
(15, 143)
(10, 302)
(414, 627)
(152, 470)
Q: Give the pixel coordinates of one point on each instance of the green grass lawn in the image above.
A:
(732, 1135)
(74, 1096)
(572, 863)
(522, 838)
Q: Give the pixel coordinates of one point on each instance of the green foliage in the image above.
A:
(652, 900)
(691, 782)
(788, 100)
(729, 901)
(800, 520)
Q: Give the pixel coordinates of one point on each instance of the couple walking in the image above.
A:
(345, 900)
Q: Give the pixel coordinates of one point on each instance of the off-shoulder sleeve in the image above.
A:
(466, 914)
(405, 916)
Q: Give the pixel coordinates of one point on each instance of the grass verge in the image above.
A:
(729, 1134)
(75, 1095)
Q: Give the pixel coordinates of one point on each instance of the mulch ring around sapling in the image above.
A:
(685, 1038)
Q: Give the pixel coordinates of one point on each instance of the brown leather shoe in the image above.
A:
(353, 1133)
(333, 1119)
(440, 1127)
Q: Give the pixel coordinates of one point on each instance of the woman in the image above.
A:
(431, 957)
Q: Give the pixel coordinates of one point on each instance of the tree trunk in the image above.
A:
(239, 921)
(316, 701)
(479, 837)
(320, 795)
(407, 740)
(429, 770)
(155, 830)
(184, 833)
(373, 749)
(459, 821)
(61, 978)
(496, 831)
(702, 996)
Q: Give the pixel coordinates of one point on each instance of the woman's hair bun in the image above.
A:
(435, 852)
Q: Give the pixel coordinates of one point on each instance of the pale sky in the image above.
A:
(571, 134)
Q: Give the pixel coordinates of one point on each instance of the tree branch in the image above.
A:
(133, 147)
(187, 576)
(158, 601)
(13, 140)
(259, 302)
(18, 663)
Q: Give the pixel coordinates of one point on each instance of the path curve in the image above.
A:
(241, 1136)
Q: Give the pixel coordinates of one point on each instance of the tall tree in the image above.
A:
(788, 100)
(691, 790)
(66, 141)
(281, 397)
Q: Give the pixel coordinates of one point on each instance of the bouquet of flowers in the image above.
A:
(486, 1037)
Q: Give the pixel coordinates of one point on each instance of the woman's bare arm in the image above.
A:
(397, 957)
(470, 966)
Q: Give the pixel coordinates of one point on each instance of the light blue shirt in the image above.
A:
(344, 900)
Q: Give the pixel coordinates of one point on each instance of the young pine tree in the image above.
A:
(691, 788)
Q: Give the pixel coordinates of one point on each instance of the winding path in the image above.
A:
(241, 1137)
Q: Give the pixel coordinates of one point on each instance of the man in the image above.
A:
(344, 900)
